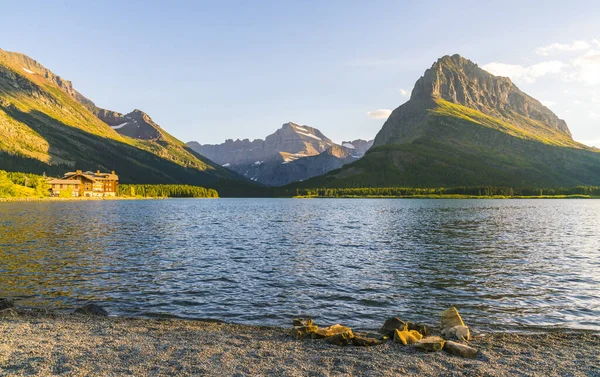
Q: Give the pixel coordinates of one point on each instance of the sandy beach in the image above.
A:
(47, 343)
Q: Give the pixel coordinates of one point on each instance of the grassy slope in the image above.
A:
(22, 185)
(44, 129)
(459, 146)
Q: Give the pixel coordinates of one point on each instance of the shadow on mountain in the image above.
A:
(92, 152)
(451, 153)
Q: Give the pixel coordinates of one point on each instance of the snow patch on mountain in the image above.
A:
(119, 126)
(300, 128)
(309, 135)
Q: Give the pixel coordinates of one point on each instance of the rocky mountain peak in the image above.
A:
(27, 66)
(137, 124)
(292, 153)
(305, 133)
(339, 151)
(459, 80)
(358, 147)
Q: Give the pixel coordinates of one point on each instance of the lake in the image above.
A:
(505, 264)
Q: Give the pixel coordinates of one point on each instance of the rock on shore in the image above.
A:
(55, 344)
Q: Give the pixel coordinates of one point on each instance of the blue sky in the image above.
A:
(211, 70)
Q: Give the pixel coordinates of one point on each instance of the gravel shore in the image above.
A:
(42, 343)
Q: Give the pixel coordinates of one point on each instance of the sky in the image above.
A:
(215, 70)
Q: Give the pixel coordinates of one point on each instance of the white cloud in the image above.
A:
(596, 42)
(525, 73)
(554, 47)
(594, 115)
(548, 103)
(588, 67)
(404, 92)
(379, 113)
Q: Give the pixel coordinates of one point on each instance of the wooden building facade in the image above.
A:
(86, 184)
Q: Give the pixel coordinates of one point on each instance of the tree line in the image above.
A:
(22, 185)
(478, 191)
(165, 191)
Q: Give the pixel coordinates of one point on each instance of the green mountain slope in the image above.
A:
(465, 127)
(47, 126)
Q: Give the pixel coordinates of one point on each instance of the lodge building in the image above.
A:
(86, 184)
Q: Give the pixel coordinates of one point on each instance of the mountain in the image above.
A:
(466, 127)
(276, 173)
(290, 142)
(293, 153)
(136, 124)
(47, 126)
(358, 147)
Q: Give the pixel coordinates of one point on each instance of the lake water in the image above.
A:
(505, 264)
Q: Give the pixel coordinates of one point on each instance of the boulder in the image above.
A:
(451, 318)
(301, 332)
(368, 340)
(391, 325)
(461, 350)
(342, 339)
(416, 334)
(430, 344)
(327, 332)
(405, 337)
(92, 309)
(457, 332)
(9, 313)
(374, 335)
(303, 322)
(418, 327)
(6, 303)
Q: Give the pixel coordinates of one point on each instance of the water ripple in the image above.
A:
(261, 261)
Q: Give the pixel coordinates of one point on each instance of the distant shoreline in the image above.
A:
(450, 197)
(73, 199)
(166, 347)
(459, 197)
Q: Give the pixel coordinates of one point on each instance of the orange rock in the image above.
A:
(303, 322)
(405, 337)
(326, 332)
(362, 341)
(391, 325)
(341, 339)
(416, 334)
(301, 332)
(462, 350)
(451, 318)
(430, 344)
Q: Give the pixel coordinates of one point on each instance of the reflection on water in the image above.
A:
(503, 263)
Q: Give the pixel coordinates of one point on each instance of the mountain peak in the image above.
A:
(459, 80)
(137, 124)
(305, 133)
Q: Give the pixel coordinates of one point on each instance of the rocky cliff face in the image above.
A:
(298, 170)
(358, 147)
(460, 81)
(466, 127)
(281, 158)
(136, 124)
(290, 142)
(30, 66)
